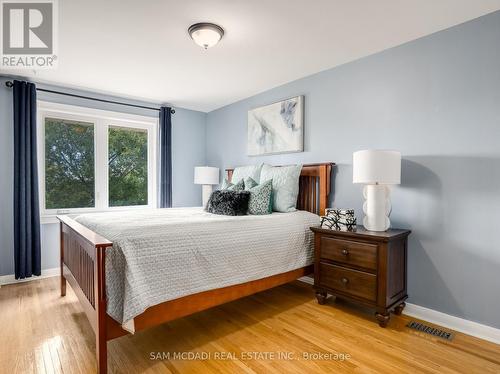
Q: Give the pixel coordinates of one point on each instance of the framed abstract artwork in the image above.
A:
(276, 128)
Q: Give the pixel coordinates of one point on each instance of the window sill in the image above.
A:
(48, 219)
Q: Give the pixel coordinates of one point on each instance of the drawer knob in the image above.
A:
(345, 251)
(345, 281)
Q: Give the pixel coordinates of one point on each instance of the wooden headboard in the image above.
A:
(314, 187)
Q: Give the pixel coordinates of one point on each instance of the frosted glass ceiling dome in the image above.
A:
(206, 35)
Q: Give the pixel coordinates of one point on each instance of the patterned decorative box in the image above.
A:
(339, 219)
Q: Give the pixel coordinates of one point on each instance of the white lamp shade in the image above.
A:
(375, 166)
(206, 175)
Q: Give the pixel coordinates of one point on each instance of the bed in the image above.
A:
(134, 271)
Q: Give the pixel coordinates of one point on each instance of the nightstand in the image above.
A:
(365, 267)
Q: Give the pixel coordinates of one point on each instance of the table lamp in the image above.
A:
(206, 176)
(376, 169)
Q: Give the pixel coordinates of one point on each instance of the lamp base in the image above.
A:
(377, 207)
(206, 192)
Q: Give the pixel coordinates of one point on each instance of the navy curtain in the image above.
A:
(165, 157)
(26, 208)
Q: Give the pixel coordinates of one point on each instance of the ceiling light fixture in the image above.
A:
(206, 35)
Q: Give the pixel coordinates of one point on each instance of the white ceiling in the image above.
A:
(141, 49)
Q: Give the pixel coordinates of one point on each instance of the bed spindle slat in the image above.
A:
(308, 194)
(301, 194)
(315, 201)
(306, 191)
(312, 187)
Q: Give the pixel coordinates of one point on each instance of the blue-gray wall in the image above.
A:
(437, 100)
(188, 151)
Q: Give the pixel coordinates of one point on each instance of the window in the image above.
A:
(69, 164)
(128, 166)
(92, 160)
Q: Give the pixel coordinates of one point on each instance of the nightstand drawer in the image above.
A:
(349, 252)
(352, 282)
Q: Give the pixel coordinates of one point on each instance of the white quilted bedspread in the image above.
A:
(163, 254)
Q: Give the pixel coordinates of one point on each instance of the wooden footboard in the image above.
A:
(83, 266)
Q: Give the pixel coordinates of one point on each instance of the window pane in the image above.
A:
(69, 164)
(128, 166)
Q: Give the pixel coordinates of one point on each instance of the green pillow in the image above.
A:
(260, 197)
(226, 185)
(250, 183)
(243, 172)
(285, 181)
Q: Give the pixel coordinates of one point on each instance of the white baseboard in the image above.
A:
(465, 326)
(10, 279)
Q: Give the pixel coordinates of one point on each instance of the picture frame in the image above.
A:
(276, 128)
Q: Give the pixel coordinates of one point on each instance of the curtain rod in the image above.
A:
(10, 84)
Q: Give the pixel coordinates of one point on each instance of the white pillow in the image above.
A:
(243, 172)
(285, 185)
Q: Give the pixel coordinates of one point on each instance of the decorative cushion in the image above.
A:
(242, 172)
(229, 203)
(285, 181)
(260, 198)
(226, 185)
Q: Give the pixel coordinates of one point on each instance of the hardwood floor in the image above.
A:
(40, 332)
